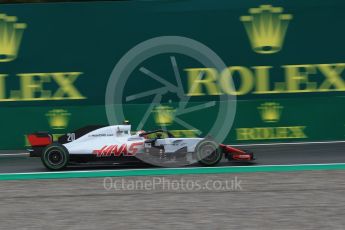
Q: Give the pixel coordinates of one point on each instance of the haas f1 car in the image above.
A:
(116, 144)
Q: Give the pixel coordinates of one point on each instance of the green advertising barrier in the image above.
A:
(67, 65)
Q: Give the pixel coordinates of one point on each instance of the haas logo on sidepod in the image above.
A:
(118, 150)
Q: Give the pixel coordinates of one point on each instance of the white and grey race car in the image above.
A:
(116, 144)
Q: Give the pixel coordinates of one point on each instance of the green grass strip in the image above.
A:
(168, 171)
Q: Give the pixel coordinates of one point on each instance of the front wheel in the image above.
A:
(208, 153)
(55, 157)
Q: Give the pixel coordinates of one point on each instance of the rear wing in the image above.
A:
(40, 139)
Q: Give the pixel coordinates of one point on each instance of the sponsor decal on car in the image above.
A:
(118, 150)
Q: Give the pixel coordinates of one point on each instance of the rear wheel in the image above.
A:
(55, 157)
(208, 153)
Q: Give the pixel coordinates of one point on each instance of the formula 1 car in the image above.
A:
(116, 144)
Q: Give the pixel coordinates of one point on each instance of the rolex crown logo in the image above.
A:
(270, 111)
(164, 115)
(266, 28)
(58, 118)
(11, 33)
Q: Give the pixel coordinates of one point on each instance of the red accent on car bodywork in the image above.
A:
(36, 140)
(241, 157)
(236, 154)
(230, 149)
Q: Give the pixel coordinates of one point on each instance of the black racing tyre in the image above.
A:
(208, 153)
(55, 157)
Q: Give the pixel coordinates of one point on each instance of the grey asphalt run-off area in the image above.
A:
(289, 200)
(274, 200)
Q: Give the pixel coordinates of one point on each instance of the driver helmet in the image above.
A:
(126, 122)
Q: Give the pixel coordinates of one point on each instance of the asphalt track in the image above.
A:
(279, 200)
(263, 200)
(286, 154)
